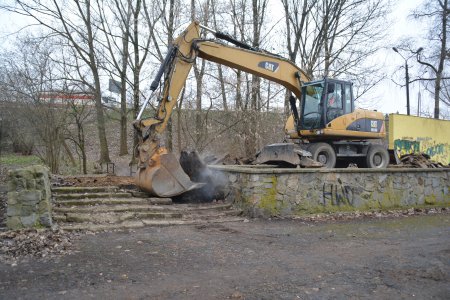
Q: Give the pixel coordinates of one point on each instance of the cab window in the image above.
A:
(312, 95)
(334, 100)
(348, 98)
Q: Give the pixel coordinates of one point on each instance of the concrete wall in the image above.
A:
(282, 192)
(410, 134)
(29, 198)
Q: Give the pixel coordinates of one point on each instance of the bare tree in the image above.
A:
(116, 31)
(220, 78)
(79, 115)
(31, 84)
(435, 61)
(79, 32)
(258, 20)
(199, 72)
(335, 37)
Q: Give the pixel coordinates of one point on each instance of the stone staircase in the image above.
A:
(107, 208)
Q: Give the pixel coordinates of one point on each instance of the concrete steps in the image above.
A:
(114, 217)
(82, 190)
(93, 195)
(145, 222)
(107, 208)
(102, 201)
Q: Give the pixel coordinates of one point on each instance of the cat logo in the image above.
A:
(269, 66)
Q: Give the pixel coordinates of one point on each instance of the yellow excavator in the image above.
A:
(324, 121)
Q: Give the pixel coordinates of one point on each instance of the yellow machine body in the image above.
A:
(159, 171)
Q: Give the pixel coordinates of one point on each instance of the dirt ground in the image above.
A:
(94, 180)
(280, 259)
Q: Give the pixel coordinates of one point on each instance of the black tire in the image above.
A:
(377, 157)
(323, 153)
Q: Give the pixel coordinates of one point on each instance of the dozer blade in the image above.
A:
(289, 153)
(165, 177)
(282, 152)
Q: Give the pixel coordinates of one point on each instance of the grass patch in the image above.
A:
(19, 160)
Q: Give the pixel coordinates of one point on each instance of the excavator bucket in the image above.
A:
(164, 177)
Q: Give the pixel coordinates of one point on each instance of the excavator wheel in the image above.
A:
(377, 157)
(323, 153)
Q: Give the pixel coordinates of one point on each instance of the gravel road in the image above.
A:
(282, 259)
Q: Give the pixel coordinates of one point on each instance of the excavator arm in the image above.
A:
(268, 66)
(159, 171)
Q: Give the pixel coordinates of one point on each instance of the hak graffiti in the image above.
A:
(337, 194)
(405, 147)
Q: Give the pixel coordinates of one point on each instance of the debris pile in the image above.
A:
(59, 181)
(227, 159)
(420, 160)
(197, 170)
(35, 243)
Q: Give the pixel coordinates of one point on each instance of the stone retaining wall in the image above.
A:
(281, 192)
(29, 198)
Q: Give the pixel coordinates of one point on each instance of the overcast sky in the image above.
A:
(387, 96)
(392, 98)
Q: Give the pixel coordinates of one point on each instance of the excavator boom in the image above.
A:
(159, 172)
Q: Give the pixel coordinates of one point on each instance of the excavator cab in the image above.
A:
(323, 101)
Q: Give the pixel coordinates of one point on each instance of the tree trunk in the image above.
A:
(136, 73)
(123, 128)
(222, 89)
(258, 9)
(219, 67)
(238, 91)
(82, 145)
(170, 32)
(104, 152)
(437, 92)
(123, 96)
(69, 153)
(442, 56)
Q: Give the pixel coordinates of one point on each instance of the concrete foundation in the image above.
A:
(266, 192)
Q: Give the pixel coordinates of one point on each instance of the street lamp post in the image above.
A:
(407, 76)
(407, 86)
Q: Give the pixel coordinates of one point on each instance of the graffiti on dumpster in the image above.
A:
(437, 152)
(336, 194)
(404, 147)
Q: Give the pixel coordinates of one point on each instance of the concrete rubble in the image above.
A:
(420, 160)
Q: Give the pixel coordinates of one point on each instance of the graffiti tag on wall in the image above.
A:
(437, 152)
(337, 194)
